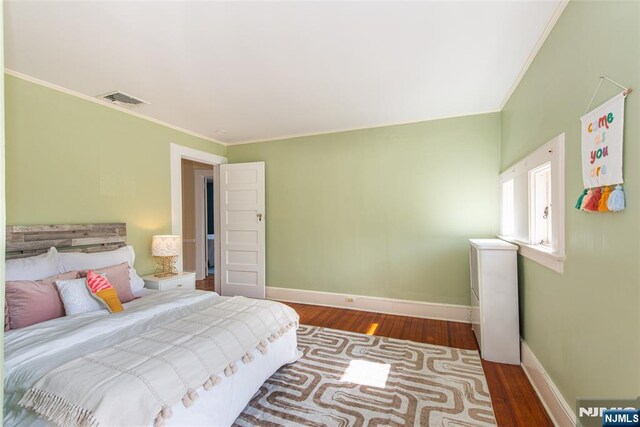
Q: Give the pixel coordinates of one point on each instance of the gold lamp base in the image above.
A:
(166, 266)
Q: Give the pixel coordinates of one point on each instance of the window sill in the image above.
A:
(539, 254)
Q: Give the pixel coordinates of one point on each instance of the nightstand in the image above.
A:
(183, 280)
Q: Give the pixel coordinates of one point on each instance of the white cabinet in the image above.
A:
(494, 299)
(182, 280)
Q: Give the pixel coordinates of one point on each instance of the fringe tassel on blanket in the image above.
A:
(158, 422)
(211, 381)
(186, 401)
(189, 398)
(247, 358)
(262, 347)
(166, 412)
(231, 369)
(57, 410)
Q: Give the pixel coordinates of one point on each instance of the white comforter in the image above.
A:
(32, 352)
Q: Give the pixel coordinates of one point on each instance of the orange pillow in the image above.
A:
(102, 290)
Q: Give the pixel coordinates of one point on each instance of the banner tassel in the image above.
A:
(592, 203)
(616, 200)
(579, 202)
(602, 205)
(586, 199)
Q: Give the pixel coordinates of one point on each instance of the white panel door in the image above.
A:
(242, 243)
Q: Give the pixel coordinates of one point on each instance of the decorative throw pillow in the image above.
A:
(34, 267)
(7, 319)
(30, 302)
(118, 277)
(102, 291)
(91, 261)
(76, 297)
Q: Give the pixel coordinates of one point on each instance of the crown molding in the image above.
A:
(98, 101)
(543, 37)
(302, 135)
(49, 85)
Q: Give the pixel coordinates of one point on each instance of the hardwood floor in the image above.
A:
(207, 284)
(515, 403)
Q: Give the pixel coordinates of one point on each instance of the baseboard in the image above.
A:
(557, 407)
(428, 310)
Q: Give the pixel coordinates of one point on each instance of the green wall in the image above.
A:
(584, 325)
(69, 160)
(2, 194)
(381, 212)
(387, 211)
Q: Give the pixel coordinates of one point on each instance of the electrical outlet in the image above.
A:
(350, 299)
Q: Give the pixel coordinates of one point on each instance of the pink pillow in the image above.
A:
(118, 276)
(7, 319)
(32, 302)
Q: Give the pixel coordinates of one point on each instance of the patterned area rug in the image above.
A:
(350, 379)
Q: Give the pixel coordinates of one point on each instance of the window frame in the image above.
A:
(533, 202)
(552, 152)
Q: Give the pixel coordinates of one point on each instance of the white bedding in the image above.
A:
(33, 351)
(145, 292)
(221, 405)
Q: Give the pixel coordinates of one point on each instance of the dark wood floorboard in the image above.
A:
(515, 403)
(206, 285)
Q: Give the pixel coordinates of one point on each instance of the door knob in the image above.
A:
(259, 217)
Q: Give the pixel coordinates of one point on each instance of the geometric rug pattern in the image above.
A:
(352, 379)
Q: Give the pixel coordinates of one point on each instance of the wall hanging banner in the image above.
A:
(602, 133)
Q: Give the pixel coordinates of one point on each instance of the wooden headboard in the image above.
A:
(29, 240)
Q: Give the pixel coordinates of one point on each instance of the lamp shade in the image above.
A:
(166, 245)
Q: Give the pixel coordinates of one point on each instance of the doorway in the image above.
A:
(186, 164)
(239, 198)
(211, 236)
(205, 224)
(196, 212)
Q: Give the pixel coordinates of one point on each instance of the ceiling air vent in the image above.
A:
(122, 99)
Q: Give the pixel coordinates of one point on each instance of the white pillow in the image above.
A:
(137, 283)
(76, 297)
(71, 261)
(32, 268)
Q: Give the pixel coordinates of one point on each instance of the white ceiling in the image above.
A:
(264, 70)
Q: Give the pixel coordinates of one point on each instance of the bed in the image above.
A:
(170, 358)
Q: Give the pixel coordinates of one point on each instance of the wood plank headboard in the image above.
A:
(28, 240)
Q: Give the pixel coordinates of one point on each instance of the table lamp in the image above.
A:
(165, 249)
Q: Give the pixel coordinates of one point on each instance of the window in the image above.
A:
(540, 205)
(532, 204)
(507, 208)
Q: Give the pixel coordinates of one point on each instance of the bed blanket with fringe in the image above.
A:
(138, 380)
